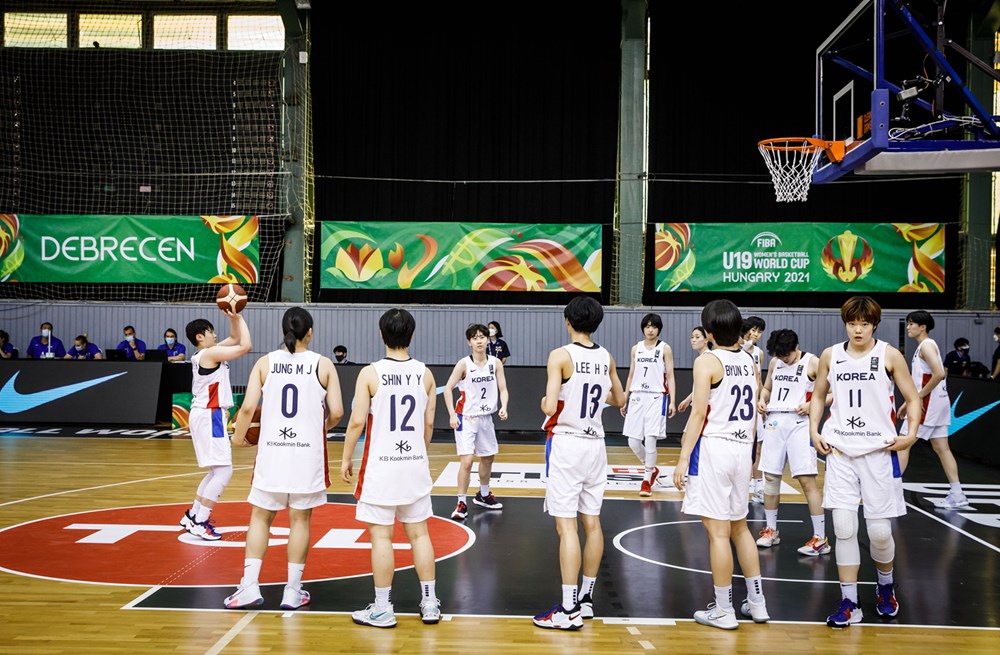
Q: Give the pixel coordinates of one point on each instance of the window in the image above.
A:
(111, 30)
(256, 33)
(22, 30)
(184, 32)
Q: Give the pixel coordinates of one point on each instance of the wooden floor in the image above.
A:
(48, 476)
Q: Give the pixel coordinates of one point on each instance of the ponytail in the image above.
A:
(295, 324)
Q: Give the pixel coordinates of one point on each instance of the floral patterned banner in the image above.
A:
(460, 256)
(123, 248)
(854, 257)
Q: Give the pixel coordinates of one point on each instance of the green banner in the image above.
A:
(853, 257)
(118, 248)
(460, 257)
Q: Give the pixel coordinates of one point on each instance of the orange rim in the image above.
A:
(834, 149)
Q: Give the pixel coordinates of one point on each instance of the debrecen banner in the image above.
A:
(460, 256)
(125, 248)
(803, 257)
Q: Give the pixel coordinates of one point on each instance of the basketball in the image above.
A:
(231, 297)
(253, 432)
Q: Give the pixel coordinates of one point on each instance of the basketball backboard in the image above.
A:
(888, 84)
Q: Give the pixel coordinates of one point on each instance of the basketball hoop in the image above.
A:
(792, 160)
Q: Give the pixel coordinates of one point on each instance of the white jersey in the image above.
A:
(732, 403)
(862, 418)
(936, 407)
(790, 385)
(291, 452)
(211, 390)
(394, 467)
(648, 372)
(582, 396)
(479, 392)
(756, 353)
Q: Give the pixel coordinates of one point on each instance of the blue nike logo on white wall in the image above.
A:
(14, 402)
(959, 422)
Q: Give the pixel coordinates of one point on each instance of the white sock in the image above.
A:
(295, 575)
(849, 590)
(427, 590)
(956, 488)
(383, 597)
(819, 525)
(251, 571)
(884, 577)
(484, 490)
(202, 514)
(771, 518)
(461, 498)
(587, 587)
(724, 597)
(195, 508)
(755, 589)
(569, 596)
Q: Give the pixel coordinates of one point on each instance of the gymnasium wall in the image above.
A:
(531, 331)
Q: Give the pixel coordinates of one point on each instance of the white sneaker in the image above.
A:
(586, 607)
(956, 501)
(769, 537)
(717, 617)
(559, 618)
(384, 618)
(248, 596)
(755, 611)
(430, 611)
(757, 491)
(187, 521)
(293, 599)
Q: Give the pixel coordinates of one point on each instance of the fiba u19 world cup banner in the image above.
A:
(460, 257)
(853, 257)
(93, 248)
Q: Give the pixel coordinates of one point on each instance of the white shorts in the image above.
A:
(276, 500)
(646, 415)
(873, 479)
(208, 434)
(415, 512)
(926, 432)
(476, 436)
(718, 479)
(786, 439)
(576, 470)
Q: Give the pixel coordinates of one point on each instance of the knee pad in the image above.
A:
(221, 474)
(650, 459)
(772, 485)
(845, 527)
(882, 547)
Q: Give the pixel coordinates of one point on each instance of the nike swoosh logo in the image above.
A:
(841, 361)
(959, 422)
(379, 615)
(14, 402)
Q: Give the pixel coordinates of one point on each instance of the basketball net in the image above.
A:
(791, 161)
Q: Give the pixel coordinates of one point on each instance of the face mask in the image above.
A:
(493, 332)
(79, 349)
(340, 358)
(170, 341)
(46, 332)
(130, 338)
(964, 349)
(748, 345)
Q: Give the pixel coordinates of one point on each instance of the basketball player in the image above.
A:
(302, 401)
(209, 417)
(713, 468)
(481, 383)
(753, 329)
(395, 397)
(581, 378)
(650, 397)
(860, 442)
(784, 400)
(929, 378)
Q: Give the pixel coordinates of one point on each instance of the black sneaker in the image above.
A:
(489, 502)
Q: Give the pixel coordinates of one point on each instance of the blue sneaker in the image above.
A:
(846, 614)
(885, 600)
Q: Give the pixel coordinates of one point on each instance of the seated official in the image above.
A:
(175, 351)
(83, 349)
(957, 362)
(45, 346)
(6, 347)
(135, 349)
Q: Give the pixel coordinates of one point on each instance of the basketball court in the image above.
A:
(88, 522)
